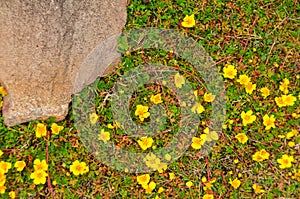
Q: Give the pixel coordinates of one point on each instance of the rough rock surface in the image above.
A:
(42, 45)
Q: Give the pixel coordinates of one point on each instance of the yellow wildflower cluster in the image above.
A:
(246, 82)
(260, 155)
(197, 108)
(144, 180)
(285, 100)
(284, 86)
(79, 168)
(41, 130)
(296, 175)
(208, 136)
(40, 172)
(4, 167)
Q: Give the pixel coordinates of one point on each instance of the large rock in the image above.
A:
(42, 45)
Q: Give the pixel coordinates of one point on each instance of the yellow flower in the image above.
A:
(40, 130)
(291, 144)
(289, 100)
(156, 99)
(203, 179)
(236, 161)
(264, 154)
(110, 126)
(168, 157)
(296, 175)
(198, 142)
(149, 187)
(2, 91)
(242, 138)
(208, 97)
(79, 168)
(2, 189)
(279, 101)
(2, 178)
(285, 161)
(161, 167)
(145, 142)
(114, 125)
(197, 108)
(189, 184)
(210, 135)
(93, 118)
(40, 165)
(257, 189)
(281, 136)
(265, 92)
(229, 71)
(235, 183)
(104, 136)
(209, 184)
(284, 86)
(142, 112)
(152, 161)
(257, 157)
(12, 194)
(160, 190)
(247, 117)
(208, 196)
(243, 79)
(291, 134)
(143, 179)
(4, 166)
(269, 121)
(260, 155)
(179, 80)
(39, 177)
(171, 176)
(189, 21)
(249, 87)
(20, 165)
(56, 129)
(1, 153)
